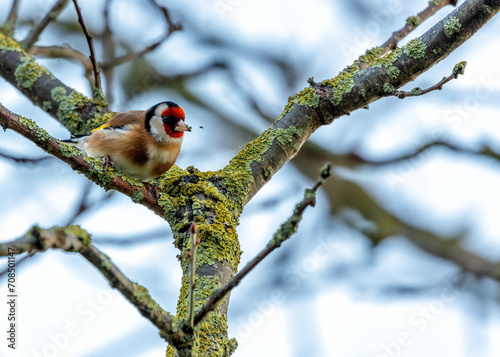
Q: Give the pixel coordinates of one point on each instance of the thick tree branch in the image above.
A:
(352, 89)
(91, 168)
(72, 109)
(33, 36)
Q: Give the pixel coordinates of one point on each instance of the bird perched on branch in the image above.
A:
(141, 144)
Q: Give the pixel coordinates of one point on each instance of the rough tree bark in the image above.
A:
(215, 200)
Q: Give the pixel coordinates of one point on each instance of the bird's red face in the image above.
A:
(173, 122)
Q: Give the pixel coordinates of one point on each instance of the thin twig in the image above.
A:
(25, 160)
(97, 77)
(283, 233)
(171, 28)
(10, 23)
(84, 205)
(66, 52)
(193, 230)
(415, 92)
(108, 50)
(411, 24)
(33, 36)
(484, 151)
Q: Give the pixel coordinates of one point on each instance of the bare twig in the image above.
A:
(10, 23)
(66, 52)
(33, 36)
(283, 233)
(411, 24)
(171, 28)
(193, 230)
(97, 77)
(25, 160)
(485, 151)
(84, 205)
(108, 50)
(415, 92)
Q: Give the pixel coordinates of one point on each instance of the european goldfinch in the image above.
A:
(141, 144)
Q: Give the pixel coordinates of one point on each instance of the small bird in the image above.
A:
(141, 144)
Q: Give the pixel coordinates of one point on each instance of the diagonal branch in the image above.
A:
(321, 103)
(411, 24)
(72, 109)
(285, 231)
(33, 36)
(10, 23)
(91, 168)
(75, 239)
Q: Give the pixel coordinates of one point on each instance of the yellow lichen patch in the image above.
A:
(342, 83)
(8, 44)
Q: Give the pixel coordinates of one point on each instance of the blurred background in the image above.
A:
(354, 280)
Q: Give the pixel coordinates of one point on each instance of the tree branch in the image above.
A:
(10, 24)
(415, 92)
(411, 24)
(75, 239)
(91, 168)
(33, 36)
(72, 109)
(25, 160)
(285, 231)
(352, 89)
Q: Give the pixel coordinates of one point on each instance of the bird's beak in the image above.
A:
(181, 126)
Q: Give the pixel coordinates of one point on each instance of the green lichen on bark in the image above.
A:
(393, 72)
(71, 106)
(415, 48)
(289, 227)
(452, 26)
(388, 59)
(137, 196)
(342, 84)
(9, 44)
(82, 234)
(388, 88)
(28, 72)
(416, 91)
(459, 68)
(307, 97)
(370, 55)
(413, 21)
